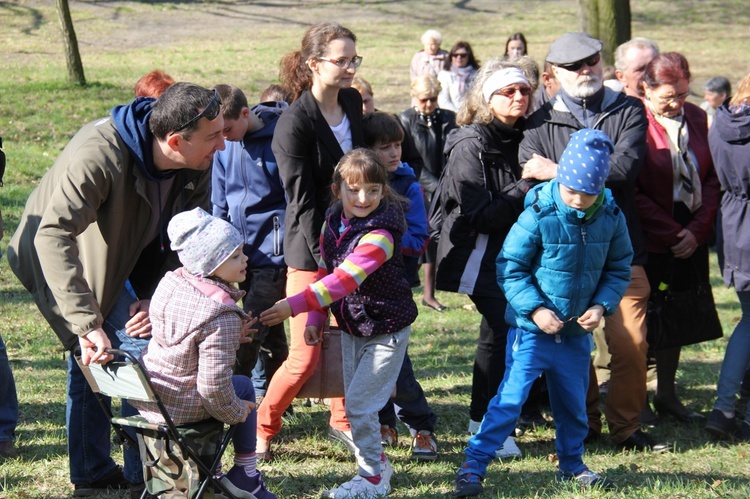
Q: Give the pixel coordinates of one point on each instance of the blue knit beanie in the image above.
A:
(584, 165)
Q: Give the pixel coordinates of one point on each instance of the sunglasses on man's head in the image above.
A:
(575, 66)
(210, 112)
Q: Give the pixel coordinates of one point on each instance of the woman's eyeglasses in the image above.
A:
(672, 100)
(510, 92)
(345, 63)
(427, 99)
(575, 66)
(460, 55)
(210, 112)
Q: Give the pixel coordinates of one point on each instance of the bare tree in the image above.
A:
(72, 55)
(607, 20)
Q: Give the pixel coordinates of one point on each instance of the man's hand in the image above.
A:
(539, 168)
(591, 318)
(139, 325)
(547, 320)
(248, 331)
(313, 335)
(280, 312)
(687, 245)
(93, 345)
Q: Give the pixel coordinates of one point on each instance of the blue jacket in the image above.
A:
(556, 258)
(246, 190)
(404, 182)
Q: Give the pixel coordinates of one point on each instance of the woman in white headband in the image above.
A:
(481, 195)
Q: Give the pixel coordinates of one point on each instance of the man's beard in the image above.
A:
(584, 87)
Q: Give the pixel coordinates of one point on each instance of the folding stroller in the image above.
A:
(178, 461)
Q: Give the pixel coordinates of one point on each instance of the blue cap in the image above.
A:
(584, 164)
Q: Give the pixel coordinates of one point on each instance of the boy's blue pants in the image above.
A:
(565, 360)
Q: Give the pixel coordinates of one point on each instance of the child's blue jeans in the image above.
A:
(565, 360)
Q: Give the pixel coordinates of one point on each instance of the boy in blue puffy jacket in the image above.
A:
(564, 265)
(247, 192)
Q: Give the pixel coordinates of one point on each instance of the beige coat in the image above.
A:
(84, 226)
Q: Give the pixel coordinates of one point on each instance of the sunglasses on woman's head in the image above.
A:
(575, 66)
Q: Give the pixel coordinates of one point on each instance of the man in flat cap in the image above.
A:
(584, 102)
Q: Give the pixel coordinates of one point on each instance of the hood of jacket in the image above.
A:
(405, 171)
(131, 122)
(732, 127)
(269, 112)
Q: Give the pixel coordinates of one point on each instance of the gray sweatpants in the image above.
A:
(371, 366)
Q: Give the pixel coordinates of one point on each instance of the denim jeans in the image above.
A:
(260, 359)
(736, 360)
(88, 428)
(8, 398)
(565, 360)
(244, 436)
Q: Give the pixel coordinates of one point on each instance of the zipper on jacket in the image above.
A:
(276, 234)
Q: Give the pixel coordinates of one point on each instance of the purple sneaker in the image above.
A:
(254, 485)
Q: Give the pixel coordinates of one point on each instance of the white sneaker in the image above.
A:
(474, 426)
(358, 488)
(386, 472)
(509, 450)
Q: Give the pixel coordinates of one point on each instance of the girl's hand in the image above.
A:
(139, 325)
(546, 320)
(247, 332)
(313, 336)
(280, 312)
(591, 318)
(249, 407)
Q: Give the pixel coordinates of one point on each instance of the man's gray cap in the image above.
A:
(572, 47)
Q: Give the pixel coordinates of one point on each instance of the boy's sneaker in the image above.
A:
(253, 484)
(112, 481)
(720, 426)
(424, 446)
(587, 479)
(474, 426)
(509, 450)
(467, 483)
(388, 436)
(359, 488)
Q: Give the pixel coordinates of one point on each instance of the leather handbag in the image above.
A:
(679, 318)
(328, 379)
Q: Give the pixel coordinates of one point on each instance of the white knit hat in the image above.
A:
(202, 242)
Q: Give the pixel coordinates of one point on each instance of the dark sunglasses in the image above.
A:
(460, 54)
(510, 92)
(210, 112)
(428, 99)
(575, 66)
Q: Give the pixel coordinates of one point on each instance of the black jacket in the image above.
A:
(429, 136)
(623, 119)
(306, 153)
(481, 197)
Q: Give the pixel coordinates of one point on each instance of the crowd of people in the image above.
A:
(554, 202)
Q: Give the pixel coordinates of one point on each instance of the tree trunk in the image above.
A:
(72, 56)
(607, 20)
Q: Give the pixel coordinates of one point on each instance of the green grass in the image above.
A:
(241, 42)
